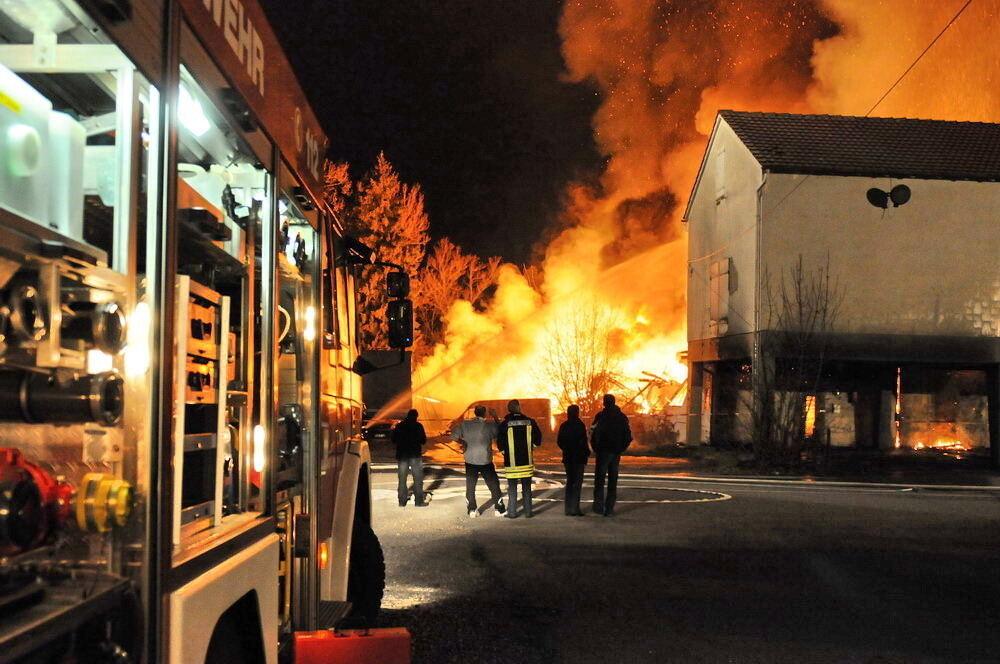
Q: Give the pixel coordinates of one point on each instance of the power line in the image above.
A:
(725, 246)
(887, 92)
(922, 53)
(807, 176)
(869, 112)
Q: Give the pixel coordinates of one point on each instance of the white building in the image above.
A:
(913, 354)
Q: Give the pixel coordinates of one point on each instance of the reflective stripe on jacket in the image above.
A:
(517, 438)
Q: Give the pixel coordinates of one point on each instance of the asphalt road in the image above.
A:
(750, 573)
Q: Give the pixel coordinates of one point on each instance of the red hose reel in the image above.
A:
(32, 503)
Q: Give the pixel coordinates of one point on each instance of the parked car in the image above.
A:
(379, 430)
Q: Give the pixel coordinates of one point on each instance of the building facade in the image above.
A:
(874, 241)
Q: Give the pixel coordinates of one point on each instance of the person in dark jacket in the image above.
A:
(408, 436)
(517, 437)
(610, 435)
(572, 440)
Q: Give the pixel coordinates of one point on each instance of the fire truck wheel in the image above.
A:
(366, 577)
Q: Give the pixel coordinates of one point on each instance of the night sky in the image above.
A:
(465, 98)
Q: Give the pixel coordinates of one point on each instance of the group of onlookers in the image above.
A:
(516, 437)
(610, 436)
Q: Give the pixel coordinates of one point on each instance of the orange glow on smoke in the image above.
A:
(663, 70)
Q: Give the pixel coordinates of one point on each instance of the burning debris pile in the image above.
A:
(943, 413)
(609, 310)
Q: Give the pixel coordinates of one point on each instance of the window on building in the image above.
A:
(719, 272)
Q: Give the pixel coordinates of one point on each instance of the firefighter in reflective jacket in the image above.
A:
(517, 437)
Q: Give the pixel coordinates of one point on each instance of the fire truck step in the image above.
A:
(331, 613)
(384, 645)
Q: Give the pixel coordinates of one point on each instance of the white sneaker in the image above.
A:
(473, 514)
(498, 513)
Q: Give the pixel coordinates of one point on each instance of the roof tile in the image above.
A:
(871, 147)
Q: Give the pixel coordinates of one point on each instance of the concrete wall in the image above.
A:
(930, 267)
(838, 419)
(722, 219)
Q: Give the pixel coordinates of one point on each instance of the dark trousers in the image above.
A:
(404, 467)
(512, 496)
(606, 466)
(489, 473)
(574, 484)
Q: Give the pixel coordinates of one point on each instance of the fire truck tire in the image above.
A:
(366, 576)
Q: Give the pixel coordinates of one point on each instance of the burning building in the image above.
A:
(611, 277)
(846, 270)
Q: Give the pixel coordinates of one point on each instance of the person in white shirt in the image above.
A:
(476, 437)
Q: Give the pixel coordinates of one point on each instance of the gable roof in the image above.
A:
(870, 147)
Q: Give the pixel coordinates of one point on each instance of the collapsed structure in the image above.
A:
(869, 246)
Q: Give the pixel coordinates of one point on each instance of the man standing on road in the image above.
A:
(572, 440)
(408, 436)
(517, 437)
(476, 437)
(610, 435)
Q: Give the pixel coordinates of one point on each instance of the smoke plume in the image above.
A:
(663, 69)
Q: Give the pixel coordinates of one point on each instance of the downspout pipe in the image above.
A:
(755, 360)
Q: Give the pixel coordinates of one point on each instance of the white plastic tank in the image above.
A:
(24, 134)
(67, 139)
(100, 162)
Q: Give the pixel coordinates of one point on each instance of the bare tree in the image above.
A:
(797, 317)
(579, 358)
(449, 274)
(534, 275)
(480, 276)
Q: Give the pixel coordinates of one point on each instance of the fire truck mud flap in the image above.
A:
(389, 645)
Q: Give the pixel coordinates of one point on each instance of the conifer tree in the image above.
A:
(387, 215)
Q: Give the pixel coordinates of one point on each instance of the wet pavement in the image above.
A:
(848, 467)
(697, 572)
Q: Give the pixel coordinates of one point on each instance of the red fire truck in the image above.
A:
(182, 476)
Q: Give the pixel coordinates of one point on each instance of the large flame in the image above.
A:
(663, 69)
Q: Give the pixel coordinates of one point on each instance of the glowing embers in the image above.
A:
(810, 416)
(943, 413)
(944, 444)
(943, 439)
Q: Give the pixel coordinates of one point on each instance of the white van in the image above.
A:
(537, 408)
